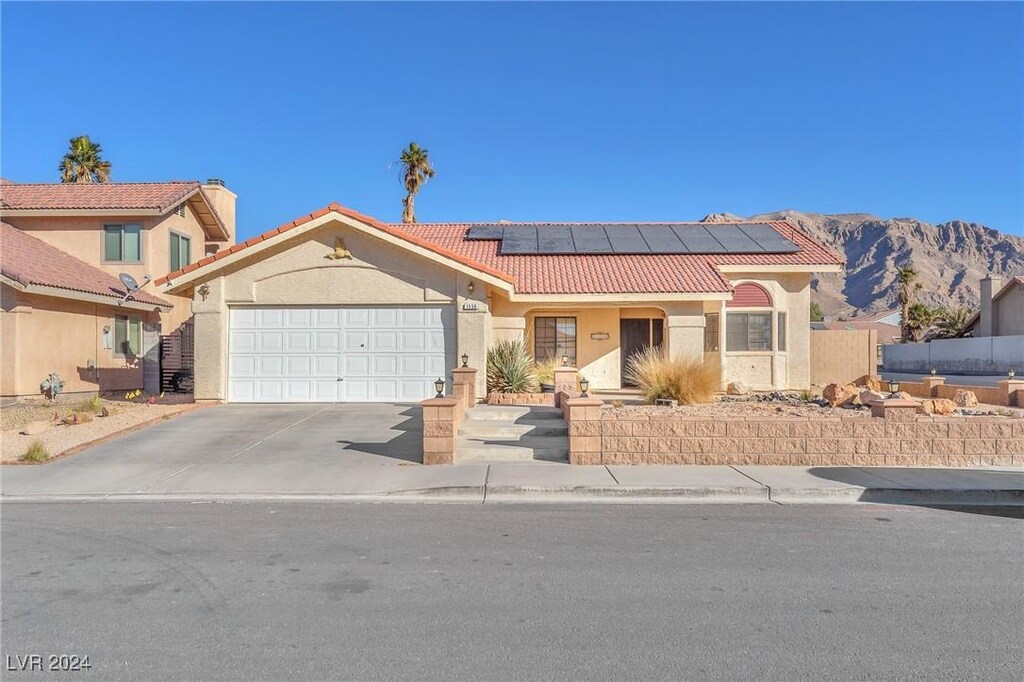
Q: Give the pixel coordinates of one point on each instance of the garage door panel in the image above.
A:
(327, 342)
(384, 317)
(356, 341)
(298, 354)
(326, 366)
(270, 318)
(356, 366)
(298, 365)
(298, 317)
(329, 318)
(269, 341)
(384, 366)
(299, 341)
(384, 342)
(415, 341)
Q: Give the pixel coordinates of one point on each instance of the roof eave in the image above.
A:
(75, 295)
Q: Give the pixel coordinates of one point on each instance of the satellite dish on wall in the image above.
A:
(129, 282)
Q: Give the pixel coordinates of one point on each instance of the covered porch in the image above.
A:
(746, 334)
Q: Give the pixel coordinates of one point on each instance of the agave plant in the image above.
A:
(510, 368)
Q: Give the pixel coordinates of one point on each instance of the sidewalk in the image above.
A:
(511, 483)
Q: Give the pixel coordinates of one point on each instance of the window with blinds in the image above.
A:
(748, 332)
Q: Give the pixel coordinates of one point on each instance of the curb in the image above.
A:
(580, 494)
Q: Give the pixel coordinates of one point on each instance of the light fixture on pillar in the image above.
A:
(894, 386)
(934, 371)
(565, 361)
(584, 387)
(1011, 374)
(439, 387)
(465, 359)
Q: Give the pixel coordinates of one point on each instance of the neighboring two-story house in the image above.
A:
(64, 307)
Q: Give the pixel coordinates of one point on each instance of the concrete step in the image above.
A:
(513, 413)
(511, 453)
(493, 429)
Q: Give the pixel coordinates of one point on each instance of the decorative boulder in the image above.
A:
(938, 406)
(838, 395)
(737, 388)
(35, 428)
(903, 395)
(965, 398)
(873, 384)
(870, 395)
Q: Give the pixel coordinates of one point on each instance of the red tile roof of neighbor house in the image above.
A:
(28, 260)
(567, 274)
(161, 196)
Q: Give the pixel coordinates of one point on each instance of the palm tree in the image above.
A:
(906, 277)
(952, 322)
(920, 319)
(82, 163)
(416, 170)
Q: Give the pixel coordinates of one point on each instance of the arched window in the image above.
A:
(746, 327)
(749, 295)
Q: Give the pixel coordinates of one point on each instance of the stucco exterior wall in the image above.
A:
(983, 355)
(299, 272)
(82, 237)
(789, 369)
(1008, 312)
(41, 334)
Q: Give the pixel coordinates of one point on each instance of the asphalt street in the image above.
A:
(313, 590)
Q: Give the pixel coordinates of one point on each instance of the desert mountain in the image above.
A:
(950, 257)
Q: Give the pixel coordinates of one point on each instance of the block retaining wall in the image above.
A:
(601, 436)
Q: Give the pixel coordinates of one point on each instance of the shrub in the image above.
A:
(91, 404)
(510, 368)
(689, 380)
(36, 453)
(544, 370)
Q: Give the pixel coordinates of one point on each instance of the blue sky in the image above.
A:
(534, 111)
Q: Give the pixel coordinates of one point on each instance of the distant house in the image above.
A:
(885, 322)
(1002, 308)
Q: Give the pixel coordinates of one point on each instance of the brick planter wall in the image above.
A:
(602, 436)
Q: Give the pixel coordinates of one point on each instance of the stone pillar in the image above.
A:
(584, 418)
(464, 386)
(931, 384)
(441, 418)
(565, 380)
(1013, 390)
(895, 409)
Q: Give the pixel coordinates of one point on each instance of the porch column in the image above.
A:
(685, 322)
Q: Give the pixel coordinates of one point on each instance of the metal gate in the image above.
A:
(177, 352)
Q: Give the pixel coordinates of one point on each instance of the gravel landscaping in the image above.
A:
(60, 438)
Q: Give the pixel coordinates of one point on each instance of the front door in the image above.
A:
(635, 335)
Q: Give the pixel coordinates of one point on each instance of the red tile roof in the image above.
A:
(567, 274)
(161, 196)
(28, 260)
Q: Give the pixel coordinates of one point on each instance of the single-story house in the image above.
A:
(339, 306)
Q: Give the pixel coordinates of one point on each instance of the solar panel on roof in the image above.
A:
(489, 232)
(519, 240)
(555, 239)
(626, 239)
(634, 239)
(697, 240)
(661, 239)
(769, 238)
(591, 239)
(734, 240)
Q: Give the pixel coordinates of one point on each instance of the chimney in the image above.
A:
(223, 201)
(987, 324)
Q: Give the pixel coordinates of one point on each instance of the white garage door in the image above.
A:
(335, 354)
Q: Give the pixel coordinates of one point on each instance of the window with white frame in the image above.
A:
(748, 331)
(181, 251)
(127, 336)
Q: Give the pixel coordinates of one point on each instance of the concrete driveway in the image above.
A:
(338, 448)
